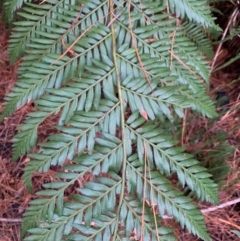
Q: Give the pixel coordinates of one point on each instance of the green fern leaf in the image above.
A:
(10, 6)
(159, 192)
(197, 11)
(160, 149)
(75, 96)
(100, 198)
(196, 34)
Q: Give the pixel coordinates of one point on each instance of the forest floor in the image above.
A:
(221, 221)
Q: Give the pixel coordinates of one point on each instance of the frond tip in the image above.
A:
(197, 11)
(10, 6)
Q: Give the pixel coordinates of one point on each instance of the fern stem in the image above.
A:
(122, 112)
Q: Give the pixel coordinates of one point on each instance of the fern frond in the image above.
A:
(77, 212)
(81, 94)
(10, 6)
(160, 193)
(49, 70)
(51, 21)
(116, 74)
(199, 102)
(197, 11)
(179, 57)
(131, 218)
(197, 34)
(161, 151)
(80, 136)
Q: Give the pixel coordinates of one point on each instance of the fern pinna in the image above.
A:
(117, 73)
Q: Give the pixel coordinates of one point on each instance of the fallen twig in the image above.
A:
(211, 209)
(11, 220)
(235, 12)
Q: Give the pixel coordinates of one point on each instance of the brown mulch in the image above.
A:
(14, 197)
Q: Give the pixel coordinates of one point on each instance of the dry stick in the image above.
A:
(77, 18)
(151, 193)
(114, 19)
(223, 36)
(173, 40)
(137, 53)
(211, 209)
(144, 192)
(223, 205)
(183, 64)
(71, 52)
(11, 220)
(184, 125)
(141, 65)
(69, 49)
(149, 83)
(229, 223)
(172, 45)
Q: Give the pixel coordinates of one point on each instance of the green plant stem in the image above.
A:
(122, 114)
